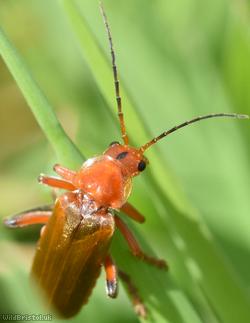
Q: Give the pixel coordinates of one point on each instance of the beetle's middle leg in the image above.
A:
(135, 247)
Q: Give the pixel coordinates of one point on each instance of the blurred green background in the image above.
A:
(176, 60)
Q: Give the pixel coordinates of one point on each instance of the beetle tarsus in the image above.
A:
(10, 223)
(111, 277)
(39, 215)
(159, 263)
(112, 288)
(137, 302)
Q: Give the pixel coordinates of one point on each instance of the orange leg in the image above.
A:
(64, 172)
(35, 216)
(111, 277)
(139, 307)
(132, 212)
(56, 182)
(134, 246)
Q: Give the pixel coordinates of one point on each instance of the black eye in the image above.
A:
(114, 143)
(141, 165)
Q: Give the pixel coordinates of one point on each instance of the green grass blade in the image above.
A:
(67, 153)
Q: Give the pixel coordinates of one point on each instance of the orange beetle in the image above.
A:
(75, 240)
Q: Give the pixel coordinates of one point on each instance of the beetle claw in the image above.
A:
(10, 223)
(111, 287)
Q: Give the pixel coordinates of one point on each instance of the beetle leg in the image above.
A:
(132, 212)
(111, 277)
(38, 215)
(64, 172)
(56, 182)
(135, 247)
(139, 307)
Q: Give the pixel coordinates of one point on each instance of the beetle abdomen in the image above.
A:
(70, 253)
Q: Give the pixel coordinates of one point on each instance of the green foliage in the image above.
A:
(44, 114)
(172, 58)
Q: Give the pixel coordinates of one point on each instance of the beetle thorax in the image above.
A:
(103, 179)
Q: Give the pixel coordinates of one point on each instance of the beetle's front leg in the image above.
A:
(56, 182)
(135, 247)
(39, 215)
(111, 277)
(64, 172)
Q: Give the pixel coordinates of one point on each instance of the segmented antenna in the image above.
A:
(116, 81)
(186, 123)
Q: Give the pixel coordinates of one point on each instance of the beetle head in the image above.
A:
(132, 160)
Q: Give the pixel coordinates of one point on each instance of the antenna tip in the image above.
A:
(242, 116)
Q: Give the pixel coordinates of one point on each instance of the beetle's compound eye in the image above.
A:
(114, 143)
(141, 166)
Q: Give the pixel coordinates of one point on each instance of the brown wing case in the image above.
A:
(70, 253)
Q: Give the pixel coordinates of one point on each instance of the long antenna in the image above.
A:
(116, 81)
(186, 123)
